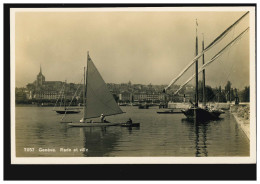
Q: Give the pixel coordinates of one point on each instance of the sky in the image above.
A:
(141, 47)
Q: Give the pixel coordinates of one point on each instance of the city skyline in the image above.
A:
(127, 82)
(141, 47)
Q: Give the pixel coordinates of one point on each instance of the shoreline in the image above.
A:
(243, 124)
(37, 105)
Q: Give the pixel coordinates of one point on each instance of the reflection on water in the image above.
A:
(99, 140)
(158, 135)
(200, 130)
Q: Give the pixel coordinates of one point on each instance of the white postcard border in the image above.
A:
(137, 160)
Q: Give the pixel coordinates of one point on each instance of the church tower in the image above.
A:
(40, 78)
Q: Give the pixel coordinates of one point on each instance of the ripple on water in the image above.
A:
(158, 135)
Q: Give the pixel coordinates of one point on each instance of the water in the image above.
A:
(158, 135)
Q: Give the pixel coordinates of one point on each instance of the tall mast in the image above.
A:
(84, 101)
(203, 75)
(65, 95)
(196, 70)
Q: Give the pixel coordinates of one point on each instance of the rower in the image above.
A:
(129, 121)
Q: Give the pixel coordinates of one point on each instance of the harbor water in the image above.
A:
(40, 133)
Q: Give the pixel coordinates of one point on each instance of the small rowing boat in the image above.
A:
(130, 125)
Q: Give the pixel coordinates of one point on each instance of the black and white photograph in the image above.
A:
(133, 85)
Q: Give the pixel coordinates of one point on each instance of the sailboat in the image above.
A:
(66, 110)
(97, 99)
(195, 112)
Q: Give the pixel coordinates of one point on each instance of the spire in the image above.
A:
(40, 68)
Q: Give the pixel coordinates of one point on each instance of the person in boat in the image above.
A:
(130, 122)
(82, 121)
(103, 119)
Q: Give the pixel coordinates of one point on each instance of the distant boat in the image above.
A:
(169, 112)
(164, 105)
(66, 110)
(97, 99)
(135, 104)
(143, 106)
(123, 104)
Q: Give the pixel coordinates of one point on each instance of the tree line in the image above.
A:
(224, 95)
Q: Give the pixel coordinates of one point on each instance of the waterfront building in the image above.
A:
(125, 96)
(41, 89)
(140, 97)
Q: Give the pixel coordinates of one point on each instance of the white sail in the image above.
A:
(99, 100)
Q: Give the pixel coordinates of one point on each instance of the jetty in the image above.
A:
(241, 114)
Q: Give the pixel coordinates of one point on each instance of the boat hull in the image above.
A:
(202, 114)
(143, 107)
(67, 112)
(95, 124)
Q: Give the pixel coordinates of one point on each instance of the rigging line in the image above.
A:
(71, 101)
(226, 31)
(219, 38)
(214, 58)
(62, 96)
(75, 93)
(221, 83)
(58, 97)
(233, 64)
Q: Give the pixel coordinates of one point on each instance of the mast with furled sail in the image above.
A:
(229, 45)
(195, 112)
(214, 42)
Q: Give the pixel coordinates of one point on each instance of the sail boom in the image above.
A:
(226, 31)
(105, 115)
